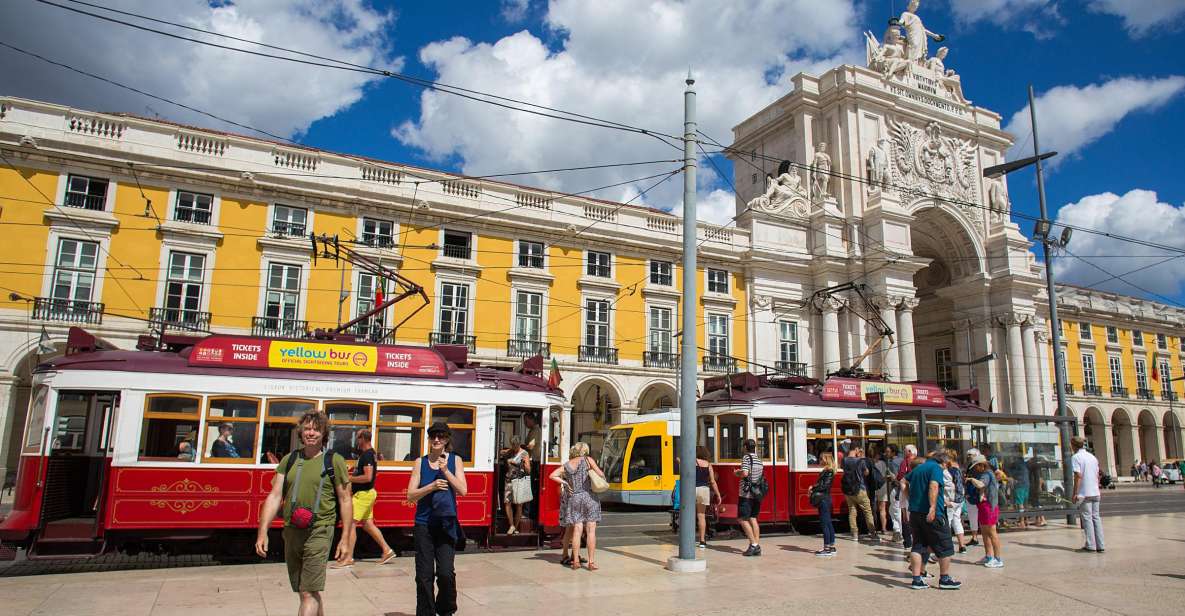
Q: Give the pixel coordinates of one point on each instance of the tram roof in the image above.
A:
(101, 357)
(752, 389)
(963, 415)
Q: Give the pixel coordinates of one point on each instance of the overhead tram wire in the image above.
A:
(1121, 278)
(330, 63)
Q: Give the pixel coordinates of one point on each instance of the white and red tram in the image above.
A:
(149, 448)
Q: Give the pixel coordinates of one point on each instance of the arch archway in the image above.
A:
(1149, 437)
(1174, 448)
(22, 360)
(657, 395)
(595, 404)
(1094, 430)
(1122, 433)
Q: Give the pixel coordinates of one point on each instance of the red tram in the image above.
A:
(154, 448)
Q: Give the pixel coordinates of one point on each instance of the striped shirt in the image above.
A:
(753, 465)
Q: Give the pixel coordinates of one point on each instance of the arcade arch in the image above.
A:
(657, 395)
(1174, 448)
(1123, 440)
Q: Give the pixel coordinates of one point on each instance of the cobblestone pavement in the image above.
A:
(1142, 572)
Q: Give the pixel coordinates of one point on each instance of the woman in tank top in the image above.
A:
(705, 490)
(439, 478)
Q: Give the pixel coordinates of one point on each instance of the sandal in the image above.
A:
(388, 557)
(592, 566)
(565, 560)
(575, 564)
(342, 565)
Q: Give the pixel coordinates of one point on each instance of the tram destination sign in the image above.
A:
(855, 390)
(384, 360)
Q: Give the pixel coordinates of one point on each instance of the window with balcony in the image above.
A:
(1137, 338)
(457, 245)
(1162, 342)
(1166, 383)
(454, 314)
(528, 325)
(788, 348)
(598, 264)
(718, 358)
(1090, 383)
(660, 352)
(368, 293)
(73, 279)
(86, 192)
(183, 291)
(1112, 334)
(193, 207)
(1142, 389)
(597, 339)
(1115, 363)
(378, 233)
(662, 273)
(530, 254)
(717, 281)
(282, 299)
(1084, 331)
(289, 221)
(944, 369)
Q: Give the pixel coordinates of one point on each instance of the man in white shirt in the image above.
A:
(1087, 495)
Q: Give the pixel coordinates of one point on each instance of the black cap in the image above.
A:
(440, 428)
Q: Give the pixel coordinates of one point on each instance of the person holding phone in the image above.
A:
(436, 481)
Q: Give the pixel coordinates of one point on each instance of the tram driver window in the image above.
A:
(170, 428)
(820, 439)
(231, 427)
(848, 437)
(460, 422)
(279, 428)
(401, 433)
(707, 435)
(732, 436)
(645, 458)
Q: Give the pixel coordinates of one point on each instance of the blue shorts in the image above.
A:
(1020, 494)
(748, 508)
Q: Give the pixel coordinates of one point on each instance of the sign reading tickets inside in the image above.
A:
(855, 390)
(385, 360)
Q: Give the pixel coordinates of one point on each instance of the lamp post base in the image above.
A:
(679, 565)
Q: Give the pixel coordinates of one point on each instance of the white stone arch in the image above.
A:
(1097, 432)
(1125, 444)
(1151, 445)
(934, 220)
(589, 416)
(658, 393)
(15, 386)
(1174, 444)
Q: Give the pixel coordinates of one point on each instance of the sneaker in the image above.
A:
(756, 551)
(973, 542)
(831, 549)
(1101, 550)
(703, 545)
(750, 551)
(994, 563)
(919, 583)
(824, 552)
(933, 559)
(962, 550)
(1085, 549)
(946, 582)
(985, 560)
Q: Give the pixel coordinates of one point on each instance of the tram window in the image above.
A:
(69, 432)
(460, 421)
(764, 434)
(875, 439)
(279, 428)
(613, 453)
(952, 437)
(849, 435)
(707, 434)
(732, 435)
(780, 440)
(555, 427)
(346, 419)
(819, 440)
(170, 428)
(35, 423)
(902, 434)
(231, 427)
(645, 458)
(401, 433)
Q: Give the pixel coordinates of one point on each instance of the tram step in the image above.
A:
(517, 540)
(51, 548)
(70, 528)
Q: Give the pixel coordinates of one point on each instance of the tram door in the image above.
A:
(772, 447)
(525, 426)
(76, 475)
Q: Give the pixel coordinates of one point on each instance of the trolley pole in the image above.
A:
(1059, 369)
(686, 560)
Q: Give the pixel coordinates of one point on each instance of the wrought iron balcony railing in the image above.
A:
(1168, 396)
(69, 310)
(278, 327)
(795, 368)
(1092, 390)
(1145, 394)
(1069, 389)
(660, 359)
(597, 354)
(1119, 392)
(455, 251)
(451, 338)
(519, 347)
(86, 202)
(720, 363)
(180, 318)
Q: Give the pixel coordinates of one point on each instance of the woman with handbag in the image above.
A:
(705, 491)
(580, 477)
(436, 481)
(821, 500)
(518, 483)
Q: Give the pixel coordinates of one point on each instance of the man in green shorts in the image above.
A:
(306, 485)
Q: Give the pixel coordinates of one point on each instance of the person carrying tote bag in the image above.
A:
(583, 509)
(518, 483)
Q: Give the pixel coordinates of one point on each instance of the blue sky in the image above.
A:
(1110, 74)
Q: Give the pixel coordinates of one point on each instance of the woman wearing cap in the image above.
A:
(583, 509)
(438, 479)
(985, 481)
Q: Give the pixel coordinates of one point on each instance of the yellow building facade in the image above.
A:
(127, 226)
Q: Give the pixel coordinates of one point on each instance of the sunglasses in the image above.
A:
(438, 437)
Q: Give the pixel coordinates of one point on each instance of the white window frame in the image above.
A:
(94, 271)
(611, 264)
(300, 292)
(1137, 338)
(516, 332)
(708, 281)
(175, 201)
(361, 233)
(1162, 342)
(468, 307)
(1084, 332)
(719, 317)
(64, 184)
(364, 294)
(271, 219)
(651, 331)
(584, 322)
(1141, 375)
(1165, 374)
(788, 342)
(944, 372)
(670, 273)
(472, 243)
(519, 255)
(56, 234)
(202, 284)
(1115, 366)
(1090, 376)
(1112, 334)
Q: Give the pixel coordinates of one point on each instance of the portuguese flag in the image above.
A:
(554, 379)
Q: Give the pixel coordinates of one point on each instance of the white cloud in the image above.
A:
(1141, 16)
(1072, 117)
(515, 11)
(1129, 215)
(280, 97)
(623, 60)
(1038, 17)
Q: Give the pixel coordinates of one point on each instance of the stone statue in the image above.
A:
(821, 172)
(998, 202)
(916, 45)
(780, 191)
(947, 77)
(888, 58)
(877, 164)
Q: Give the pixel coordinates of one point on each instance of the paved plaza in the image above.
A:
(1142, 572)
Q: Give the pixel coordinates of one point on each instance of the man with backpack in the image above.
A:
(306, 483)
(855, 489)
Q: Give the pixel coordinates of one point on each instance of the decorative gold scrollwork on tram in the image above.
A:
(185, 485)
(183, 507)
(187, 506)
